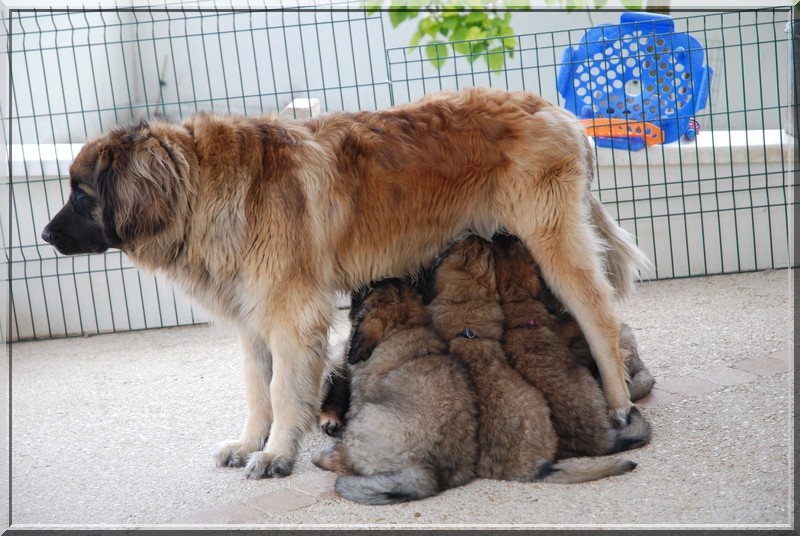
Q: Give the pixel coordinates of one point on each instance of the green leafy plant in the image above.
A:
(571, 5)
(470, 28)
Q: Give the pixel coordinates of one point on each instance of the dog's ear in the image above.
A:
(135, 176)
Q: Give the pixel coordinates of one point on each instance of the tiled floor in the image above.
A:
(671, 390)
(117, 431)
(258, 509)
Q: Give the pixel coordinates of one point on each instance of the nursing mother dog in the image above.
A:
(263, 219)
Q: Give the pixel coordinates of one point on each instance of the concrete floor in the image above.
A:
(117, 431)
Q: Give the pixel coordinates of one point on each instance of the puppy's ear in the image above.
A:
(135, 176)
(360, 348)
(357, 298)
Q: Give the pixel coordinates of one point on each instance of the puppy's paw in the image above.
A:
(233, 453)
(331, 423)
(323, 459)
(265, 465)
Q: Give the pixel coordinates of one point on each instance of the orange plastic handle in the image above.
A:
(620, 128)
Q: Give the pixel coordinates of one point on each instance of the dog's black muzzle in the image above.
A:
(72, 234)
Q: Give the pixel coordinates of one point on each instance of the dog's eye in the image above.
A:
(79, 201)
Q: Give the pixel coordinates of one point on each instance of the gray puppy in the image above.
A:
(412, 425)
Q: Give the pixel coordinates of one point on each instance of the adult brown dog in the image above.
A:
(263, 219)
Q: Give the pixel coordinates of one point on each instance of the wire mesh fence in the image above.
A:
(717, 203)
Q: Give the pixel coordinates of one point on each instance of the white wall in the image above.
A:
(89, 72)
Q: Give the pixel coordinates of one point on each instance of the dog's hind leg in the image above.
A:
(257, 376)
(588, 295)
(623, 258)
(553, 223)
(333, 459)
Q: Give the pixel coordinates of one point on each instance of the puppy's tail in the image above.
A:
(576, 470)
(635, 434)
(625, 262)
(388, 488)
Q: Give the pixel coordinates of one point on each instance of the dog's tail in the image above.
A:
(388, 488)
(635, 434)
(625, 262)
(576, 470)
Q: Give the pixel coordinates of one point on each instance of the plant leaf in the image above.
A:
(577, 4)
(476, 17)
(451, 23)
(475, 33)
(397, 16)
(372, 6)
(496, 59)
(415, 38)
(437, 53)
(430, 26)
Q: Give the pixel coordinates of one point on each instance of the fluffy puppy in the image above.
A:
(535, 349)
(412, 425)
(517, 438)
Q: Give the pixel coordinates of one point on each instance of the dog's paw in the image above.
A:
(233, 453)
(331, 423)
(620, 416)
(265, 465)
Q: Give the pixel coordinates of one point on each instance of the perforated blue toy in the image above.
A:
(639, 72)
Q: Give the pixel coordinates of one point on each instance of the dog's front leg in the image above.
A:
(257, 377)
(298, 364)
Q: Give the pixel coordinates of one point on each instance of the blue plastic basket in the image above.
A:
(638, 70)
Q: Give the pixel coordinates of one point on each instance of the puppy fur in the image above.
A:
(517, 438)
(412, 425)
(535, 350)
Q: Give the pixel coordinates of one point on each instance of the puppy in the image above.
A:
(534, 349)
(640, 381)
(333, 413)
(517, 438)
(263, 220)
(412, 426)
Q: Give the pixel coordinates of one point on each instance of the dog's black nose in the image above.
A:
(47, 235)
